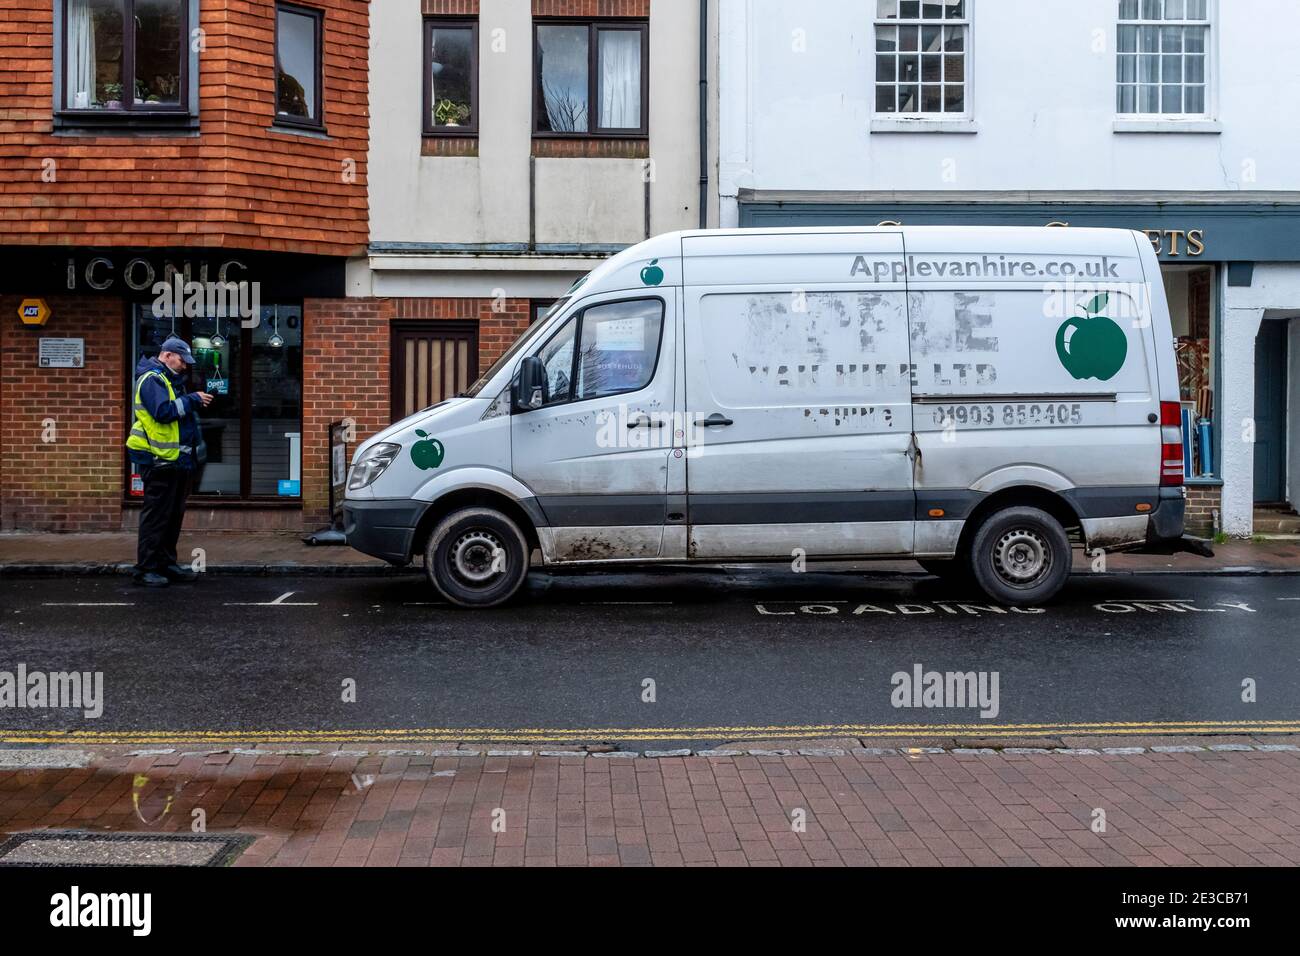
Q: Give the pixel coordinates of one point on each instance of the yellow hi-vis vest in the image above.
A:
(160, 439)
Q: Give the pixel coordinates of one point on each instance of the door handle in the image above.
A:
(644, 421)
(717, 420)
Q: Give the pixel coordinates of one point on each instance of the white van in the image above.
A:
(973, 398)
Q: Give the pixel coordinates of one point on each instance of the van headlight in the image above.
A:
(375, 462)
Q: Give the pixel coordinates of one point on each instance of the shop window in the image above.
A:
(1191, 307)
(298, 66)
(451, 77)
(253, 428)
(124, 61)
(589, 78)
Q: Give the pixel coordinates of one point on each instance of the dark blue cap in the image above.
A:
(180, 347)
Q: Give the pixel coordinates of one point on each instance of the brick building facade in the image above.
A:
(214, 166)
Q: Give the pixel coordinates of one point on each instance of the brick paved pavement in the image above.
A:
(1205, 808)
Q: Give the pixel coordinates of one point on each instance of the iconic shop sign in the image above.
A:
(35, 271)
(139, 274)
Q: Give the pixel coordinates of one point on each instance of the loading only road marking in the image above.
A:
(281, 601)
(548, 735)
(959, 608)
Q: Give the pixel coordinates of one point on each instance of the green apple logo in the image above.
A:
(1092, 345)
(652, 274)
(427, 454)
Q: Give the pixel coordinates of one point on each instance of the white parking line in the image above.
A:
(88, 604)
(281, 601)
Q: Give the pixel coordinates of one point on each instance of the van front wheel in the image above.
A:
(1020, 556)
(476, 558)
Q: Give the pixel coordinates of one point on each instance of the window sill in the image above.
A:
(1212, 127)
(924, 126)
(113, 122)
(311, 132)
(1207, 482)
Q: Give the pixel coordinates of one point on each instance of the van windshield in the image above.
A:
(520, 344)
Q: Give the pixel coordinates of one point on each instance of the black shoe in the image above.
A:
(174, 572)
(151, 579)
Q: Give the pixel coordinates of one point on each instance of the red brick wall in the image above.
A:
(1202, 502)
(345, 375)
(237, 185)
(450, 8)
(346, 369)
(591, 8)
(73, 483)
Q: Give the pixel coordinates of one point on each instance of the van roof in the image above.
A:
(916, 239)
(1001, 233)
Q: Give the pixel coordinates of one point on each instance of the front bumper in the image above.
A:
(383, 529)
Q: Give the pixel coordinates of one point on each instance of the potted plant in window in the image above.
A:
(450, 113)
(113, 94)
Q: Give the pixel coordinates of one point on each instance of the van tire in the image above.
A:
(462, 550)
(1020, 556)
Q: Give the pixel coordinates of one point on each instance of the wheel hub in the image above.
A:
(477, 557)
(1021, 557)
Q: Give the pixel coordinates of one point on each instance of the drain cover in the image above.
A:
(83, 848)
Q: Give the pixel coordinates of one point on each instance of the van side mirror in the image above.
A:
(529, 390)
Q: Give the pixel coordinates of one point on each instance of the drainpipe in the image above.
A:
(704, 114)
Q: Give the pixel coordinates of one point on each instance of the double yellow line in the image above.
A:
(590, 735)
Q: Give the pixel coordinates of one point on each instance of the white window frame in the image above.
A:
(917, 122)
(1205, 122)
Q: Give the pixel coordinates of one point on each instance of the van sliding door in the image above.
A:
(797, 375)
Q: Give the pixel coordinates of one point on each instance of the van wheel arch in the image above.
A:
(1023, 496)
(472, 498)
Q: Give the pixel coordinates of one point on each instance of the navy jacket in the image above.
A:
(153, 395)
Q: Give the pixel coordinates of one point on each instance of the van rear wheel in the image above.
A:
(477, 557)
(1020, 556)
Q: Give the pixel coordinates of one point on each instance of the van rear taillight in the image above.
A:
(1171, 465)
(1171, 444)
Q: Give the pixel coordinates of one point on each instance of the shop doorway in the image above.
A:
(431, 362)
(1270, 412)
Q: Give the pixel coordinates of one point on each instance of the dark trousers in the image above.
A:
(166, 488)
